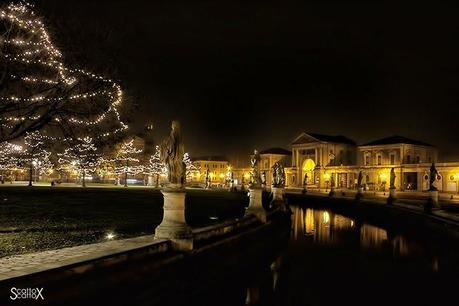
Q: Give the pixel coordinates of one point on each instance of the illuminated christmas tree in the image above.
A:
(8, 157)
(127, 161)
(38, 90)
(81, 158)
(35, 156)
(191, 169)
(155, 167)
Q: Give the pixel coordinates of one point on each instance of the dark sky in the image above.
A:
(246, 74)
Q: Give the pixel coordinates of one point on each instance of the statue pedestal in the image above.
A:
(359, 193)
(278, 193)
(255, 204)
(174, 226)
(332, 192)
(392, 196)
(432, 202)
(278, 199)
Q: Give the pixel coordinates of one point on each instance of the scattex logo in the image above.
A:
(26, 293)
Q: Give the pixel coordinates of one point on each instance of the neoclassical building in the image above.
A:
(318, 159)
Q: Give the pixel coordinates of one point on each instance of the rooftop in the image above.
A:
(324, 138)
(214, 158)
(279, 151)
(396, 139)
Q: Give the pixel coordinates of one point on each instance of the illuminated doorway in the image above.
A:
(308, 169)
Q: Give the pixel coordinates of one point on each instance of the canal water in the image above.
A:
(332, 259)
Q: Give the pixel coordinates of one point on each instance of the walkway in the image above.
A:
(18, 265)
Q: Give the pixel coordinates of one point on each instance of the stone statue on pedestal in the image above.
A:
(174, 226)
(207, 177)
(392, 179)
(278, 175)
(171, 154)
(255, 179)
(359, 180)
(433, 177)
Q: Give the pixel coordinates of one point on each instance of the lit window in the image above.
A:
(392, 159)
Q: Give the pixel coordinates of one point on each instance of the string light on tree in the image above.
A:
(40, 91)
(191, 169)
(35, 156)
(155, 167)
(81, 158)
(127, 161)
(8, 157)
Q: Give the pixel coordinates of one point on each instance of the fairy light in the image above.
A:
(125, 162)
(82, 158)
(191, 169)
(8, 155)
(38, 50)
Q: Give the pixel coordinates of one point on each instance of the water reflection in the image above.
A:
(328, 246)
(327, 228)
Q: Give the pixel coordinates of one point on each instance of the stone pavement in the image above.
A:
(18, 265)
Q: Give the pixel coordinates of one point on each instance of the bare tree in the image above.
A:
(37, 89)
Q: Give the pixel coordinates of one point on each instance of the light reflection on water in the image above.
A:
(354, 254)
(323, 227)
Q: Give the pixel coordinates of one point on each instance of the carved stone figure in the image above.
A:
(305, 180)
(332, 182)
(171, 154)
(359, 179)
(433, 177)
(278, 175)
(263, 178)
(255, 164)
(392, 178)
(207, 176)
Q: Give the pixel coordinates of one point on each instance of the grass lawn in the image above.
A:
(41, 218)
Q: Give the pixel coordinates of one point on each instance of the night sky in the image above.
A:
(253, 74)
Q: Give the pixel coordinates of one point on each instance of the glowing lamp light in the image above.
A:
(327, 176)
(383, 176)
(222, 175)
(247, 175)
(110, 236)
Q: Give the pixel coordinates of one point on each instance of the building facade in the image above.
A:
(218, 167)
(317, 160)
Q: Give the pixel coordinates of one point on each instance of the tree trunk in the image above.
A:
(126, 174)
(157, 180)
(84, 179)
(30, 174)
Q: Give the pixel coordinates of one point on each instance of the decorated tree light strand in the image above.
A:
(40, 91)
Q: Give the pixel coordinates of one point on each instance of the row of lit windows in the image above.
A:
(408, 159)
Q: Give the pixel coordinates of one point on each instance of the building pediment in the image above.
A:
(304, 138)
